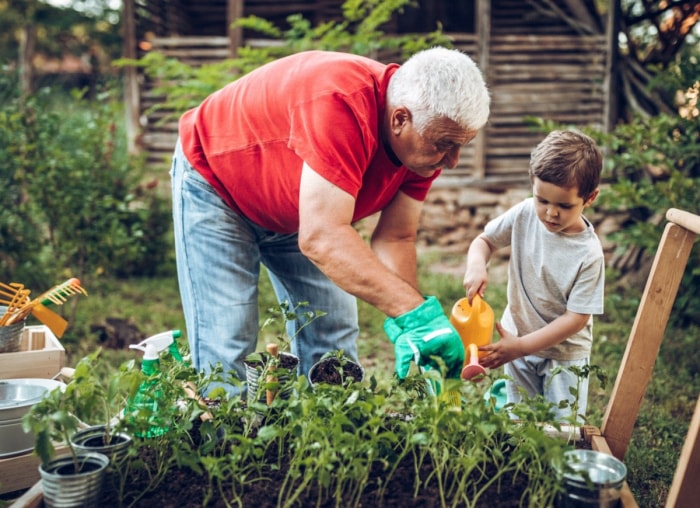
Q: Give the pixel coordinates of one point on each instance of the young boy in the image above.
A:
(556, 273)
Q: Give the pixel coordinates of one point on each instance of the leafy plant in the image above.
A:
(274, 370)
(76, 202)
(84, 400)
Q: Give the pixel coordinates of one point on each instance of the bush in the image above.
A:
(653, 164)
(76, 203)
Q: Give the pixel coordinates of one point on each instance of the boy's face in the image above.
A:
(559, 208)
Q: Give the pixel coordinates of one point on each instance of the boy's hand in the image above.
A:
(506, 350)
(424, 332)
(476, 274)
(475, 280)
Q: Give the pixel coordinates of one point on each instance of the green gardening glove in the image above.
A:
(424, 332)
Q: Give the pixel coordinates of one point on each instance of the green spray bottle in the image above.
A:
(149, 394)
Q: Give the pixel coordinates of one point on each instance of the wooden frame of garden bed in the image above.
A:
(635, 371)
(638, 361)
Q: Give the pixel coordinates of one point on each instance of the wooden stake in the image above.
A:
(270, 394)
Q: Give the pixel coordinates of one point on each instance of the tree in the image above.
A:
(33, 31)
(650, 38)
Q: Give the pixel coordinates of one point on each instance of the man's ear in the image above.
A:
(399, 117)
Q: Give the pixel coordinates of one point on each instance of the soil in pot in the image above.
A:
(333, 371)
(92, 439)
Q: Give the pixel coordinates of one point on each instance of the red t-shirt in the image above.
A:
(250, 138)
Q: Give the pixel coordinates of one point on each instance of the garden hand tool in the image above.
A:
(421, 333)
(14, 296)
(56, 295)
(474, 322)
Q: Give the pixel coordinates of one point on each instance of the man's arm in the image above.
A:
(327, 238)
(394, 237)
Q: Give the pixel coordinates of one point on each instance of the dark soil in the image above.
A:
(184, 489)
(330, 370)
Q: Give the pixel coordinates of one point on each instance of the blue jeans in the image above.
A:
(219, 254)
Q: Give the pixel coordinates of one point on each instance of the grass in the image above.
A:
(153, 305)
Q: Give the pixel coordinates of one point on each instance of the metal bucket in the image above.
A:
(590, 479)
(91, 439)
(17, 396)
(11, 335)
(65, 489)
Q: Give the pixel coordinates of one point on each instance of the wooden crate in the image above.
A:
(21, 472)
(41, 355)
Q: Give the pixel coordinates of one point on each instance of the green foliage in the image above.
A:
(88, 398)
(653, 164)
(330, 438)
(672, 390)
(184, 86)
(75, 204)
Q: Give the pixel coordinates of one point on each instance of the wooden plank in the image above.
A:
(685, 489)
(483, 29)
(22, 471)
(550, 57)
(599, 443)
(684, 219)
(41, 355)
(33, 498)
(646, 335)
(197, 56)
(189, 40)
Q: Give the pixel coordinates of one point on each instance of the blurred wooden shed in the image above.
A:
(541, 58)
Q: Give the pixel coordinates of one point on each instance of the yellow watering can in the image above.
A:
(474, 323)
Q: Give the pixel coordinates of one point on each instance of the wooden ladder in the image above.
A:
(643, 348)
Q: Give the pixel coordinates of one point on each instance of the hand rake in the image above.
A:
(13, 296)
(57, 295)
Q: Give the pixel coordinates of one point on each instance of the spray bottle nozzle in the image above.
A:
(157, 343)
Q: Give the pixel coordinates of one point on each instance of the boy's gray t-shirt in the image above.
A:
(548, 274)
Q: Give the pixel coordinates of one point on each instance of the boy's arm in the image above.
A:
(476, 275)
(511, 346)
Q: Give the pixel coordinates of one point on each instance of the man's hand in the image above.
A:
(424, 332)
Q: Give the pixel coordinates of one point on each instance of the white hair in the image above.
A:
(441, 83)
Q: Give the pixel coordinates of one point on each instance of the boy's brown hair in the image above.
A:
(568, 159)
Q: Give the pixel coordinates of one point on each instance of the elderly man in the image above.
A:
(275, 168)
